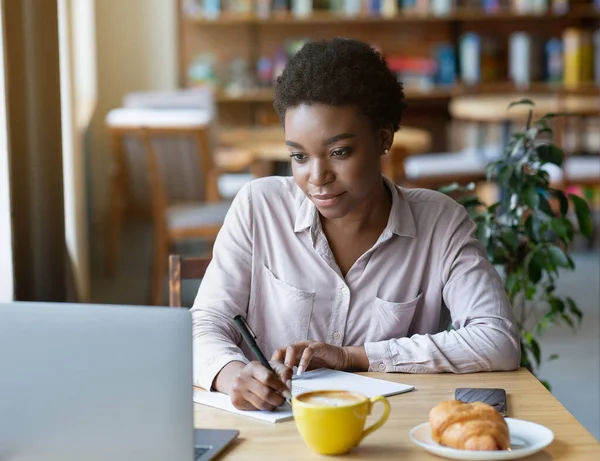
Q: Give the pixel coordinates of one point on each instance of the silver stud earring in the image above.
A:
(386, 151)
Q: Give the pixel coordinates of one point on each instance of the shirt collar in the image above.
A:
(400, 222)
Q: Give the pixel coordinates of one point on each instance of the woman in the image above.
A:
(337, 267)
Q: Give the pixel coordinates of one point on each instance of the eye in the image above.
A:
(340, 152)
(299, 158)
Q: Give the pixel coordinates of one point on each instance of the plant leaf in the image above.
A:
(505, 173)
(531, 197)
(574, 309)
(557, 306)
(549, 153)
(532, 226)
(582, 211)
(569, 321)
(562, 198)
(510, 238)
(558, 256)
(535, 265)
(469, 201)
(483, 233)
(521, 101)
(545, 206)
(552, 357)
(563, 228)
(525, 358)
(450, 188)
(535, 349)
(546, 384)
(511, 282)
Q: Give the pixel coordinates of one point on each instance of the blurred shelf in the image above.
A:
(265, 95)
(327, 17)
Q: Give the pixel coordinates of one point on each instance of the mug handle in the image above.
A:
(382, 420)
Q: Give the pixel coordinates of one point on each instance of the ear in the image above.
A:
(386, 139)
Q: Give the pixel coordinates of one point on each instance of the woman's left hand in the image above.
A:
(315, 354)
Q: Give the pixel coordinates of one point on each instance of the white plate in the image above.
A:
(526, 438)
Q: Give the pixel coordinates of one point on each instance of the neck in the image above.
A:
(372, 213)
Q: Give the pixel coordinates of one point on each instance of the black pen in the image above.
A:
(250, 339)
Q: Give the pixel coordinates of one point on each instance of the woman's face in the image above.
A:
(336, 154)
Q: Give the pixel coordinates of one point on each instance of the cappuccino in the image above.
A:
(331, 399)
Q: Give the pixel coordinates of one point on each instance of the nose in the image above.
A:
(320, 172)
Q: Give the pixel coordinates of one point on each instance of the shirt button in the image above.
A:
(345, 291)
(381, 367)
(337, 335)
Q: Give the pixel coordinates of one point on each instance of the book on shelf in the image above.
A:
(470, 58)
(596, 40)
(554, 61)
(526, 59)
(578, 54)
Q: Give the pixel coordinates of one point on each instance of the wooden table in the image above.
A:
(494, 108)
(268, 146)
(527, 399)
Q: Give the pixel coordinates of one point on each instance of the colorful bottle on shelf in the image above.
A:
(302, 8)
(441, 7)
(491, 6)
(560, 7)
(554, 61)
(470, 59)
(352, 7)
(212, 8)
(519, 69)
(263, 8)
(389, 8)
(445, 60)
(597, 57)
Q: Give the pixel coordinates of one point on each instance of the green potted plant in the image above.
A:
(528, 232)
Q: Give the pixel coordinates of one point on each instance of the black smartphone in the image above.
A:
(494, 397)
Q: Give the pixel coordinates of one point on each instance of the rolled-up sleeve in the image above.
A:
(484, 337)
(224, 293)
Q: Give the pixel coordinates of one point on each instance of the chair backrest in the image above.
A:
(164, 156)
(181, 269)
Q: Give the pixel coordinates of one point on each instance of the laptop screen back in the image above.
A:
(95, 382)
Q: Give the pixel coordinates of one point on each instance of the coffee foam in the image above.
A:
(331, 399)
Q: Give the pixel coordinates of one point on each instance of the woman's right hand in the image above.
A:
(256, 388)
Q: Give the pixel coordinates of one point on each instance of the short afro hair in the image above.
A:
(341, 72)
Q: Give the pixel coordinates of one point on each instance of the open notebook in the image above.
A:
(314, 380)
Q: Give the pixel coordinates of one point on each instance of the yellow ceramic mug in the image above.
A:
(332, 422)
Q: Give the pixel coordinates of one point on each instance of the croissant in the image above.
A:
(468, 426)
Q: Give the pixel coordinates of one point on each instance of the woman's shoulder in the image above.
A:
(274, 190)
(423, 197)
(430, 206)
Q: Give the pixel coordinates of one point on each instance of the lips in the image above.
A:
(325, 200)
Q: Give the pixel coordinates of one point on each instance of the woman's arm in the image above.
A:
(224, 293)
(485, 336)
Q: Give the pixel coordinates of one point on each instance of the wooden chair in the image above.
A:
(181, 269)
(234, 164)
(173, 166)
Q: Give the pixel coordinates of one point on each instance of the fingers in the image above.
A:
(257, 388)
(284, 373)
(264, 397)
(293, 353)
(278, 355)
(307, 355)
(271, 380)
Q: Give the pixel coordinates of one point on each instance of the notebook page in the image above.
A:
(324, 379)
(223, 401)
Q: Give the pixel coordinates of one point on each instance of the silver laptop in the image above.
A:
(97, 383)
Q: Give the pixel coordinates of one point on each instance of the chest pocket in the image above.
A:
(281, 313)
(391, 320)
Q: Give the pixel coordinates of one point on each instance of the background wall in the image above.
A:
(136, 51)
